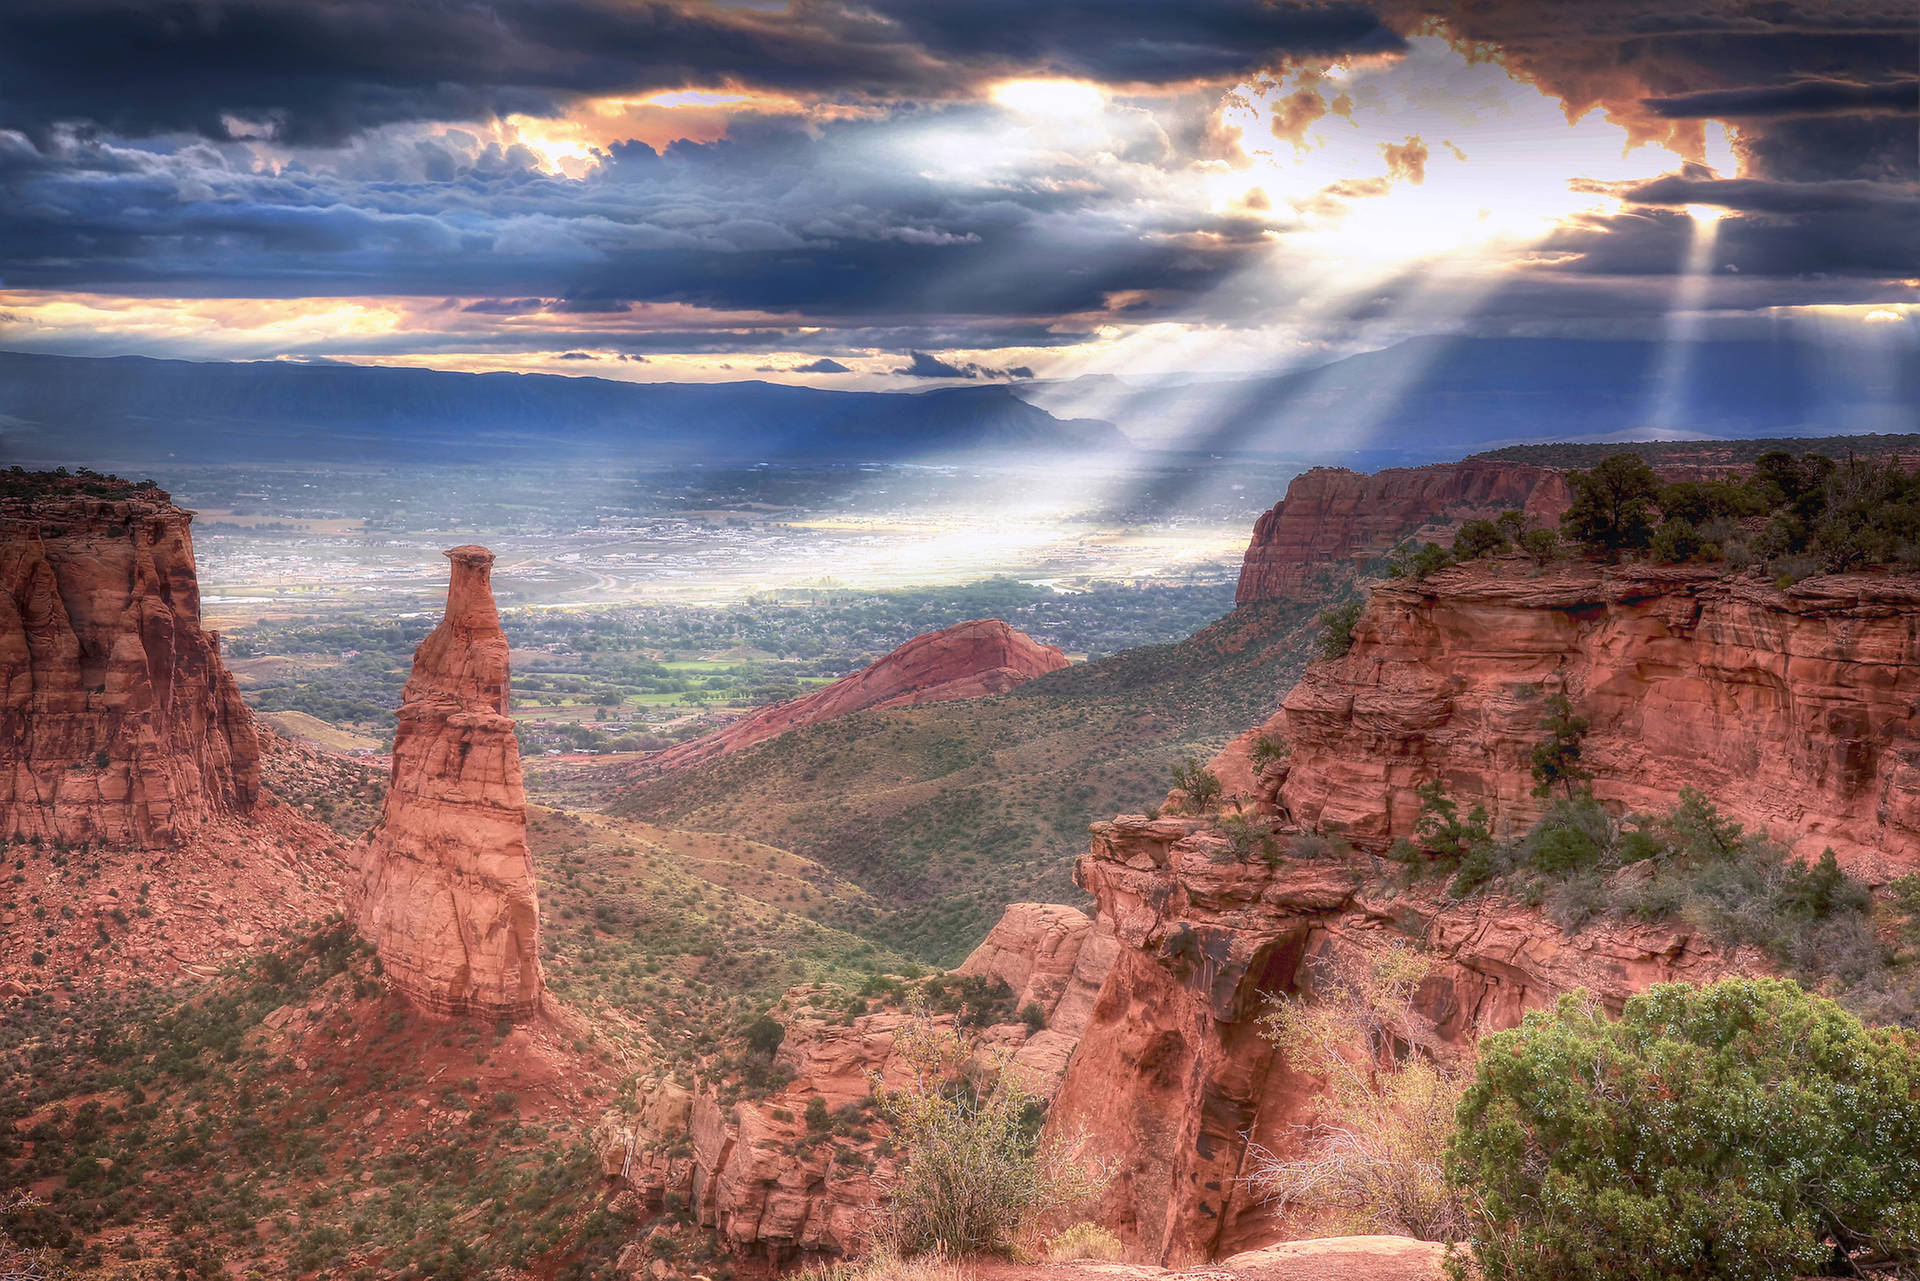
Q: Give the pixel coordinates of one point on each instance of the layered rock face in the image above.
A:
(1794, 710)
(967, 660)
(1331, 515)
(1172, 1073)
(118, 722)
(444, 885)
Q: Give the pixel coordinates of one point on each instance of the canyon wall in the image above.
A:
(1792, 708)
(1796, 710)
(1172, 1075)
(967, 660)
(1332, 517)
(118, 722)
(443, 884)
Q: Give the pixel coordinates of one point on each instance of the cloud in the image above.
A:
(1661, 69)
(290, 149)
(323, 71)
(1406, 161)
(1815, 97)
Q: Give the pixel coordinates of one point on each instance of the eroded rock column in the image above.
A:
(443, 884)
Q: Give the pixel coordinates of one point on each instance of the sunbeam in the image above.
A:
(1664, 417)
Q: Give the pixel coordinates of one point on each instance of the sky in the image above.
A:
(906, 193)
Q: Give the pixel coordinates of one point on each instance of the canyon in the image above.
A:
(1791, 708)
(443, 884)
(1790, 705)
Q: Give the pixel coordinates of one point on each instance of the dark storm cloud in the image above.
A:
(1138, 41)
(748, 223)
(1661, 66)
(858, 225)
(319, 71)
(1799, 98)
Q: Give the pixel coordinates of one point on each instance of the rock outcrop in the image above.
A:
(444, 885)
(967, 660)
(771, 1184)
(1332, 516)
(118, 722)
(1172, 1074)
(1796, 710)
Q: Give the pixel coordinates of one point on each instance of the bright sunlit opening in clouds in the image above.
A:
(1397, 160)
(1049, 97)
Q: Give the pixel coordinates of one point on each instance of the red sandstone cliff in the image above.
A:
(444, 884)
(967, 660)
(1172, 1072)
(1795, 710)
(1331, 515)
(118, 722)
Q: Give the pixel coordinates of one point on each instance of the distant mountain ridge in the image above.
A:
(1438, 398)
(133, 408)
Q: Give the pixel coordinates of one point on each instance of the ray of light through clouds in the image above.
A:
(808, 195)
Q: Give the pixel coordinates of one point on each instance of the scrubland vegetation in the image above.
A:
(944, 814)
(173, 1128)
(1743, 1130)
(978, 1177)
(1793, 516)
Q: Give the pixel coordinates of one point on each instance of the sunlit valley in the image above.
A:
(937, 641)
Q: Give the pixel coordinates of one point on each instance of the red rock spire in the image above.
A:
(444, 884)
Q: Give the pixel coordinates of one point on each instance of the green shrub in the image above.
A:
(1248, 836)
(1339, 621)
(977, 1177)
(1610, 508)
(1201, 785)
(1478, 538)
(1375, 1162)
(1675, 542)
(1268, 751)
(1541, 544)
(1741, 1130)
(1418, 563)
(1557, 761)
(1441, 833)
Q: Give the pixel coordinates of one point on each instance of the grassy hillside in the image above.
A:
(944, 814)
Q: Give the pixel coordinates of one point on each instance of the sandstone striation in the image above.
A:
(1332, 516)
(443, 883)
(1796, 710)
(118, 722)
(1172, 1073)
(967, 660)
